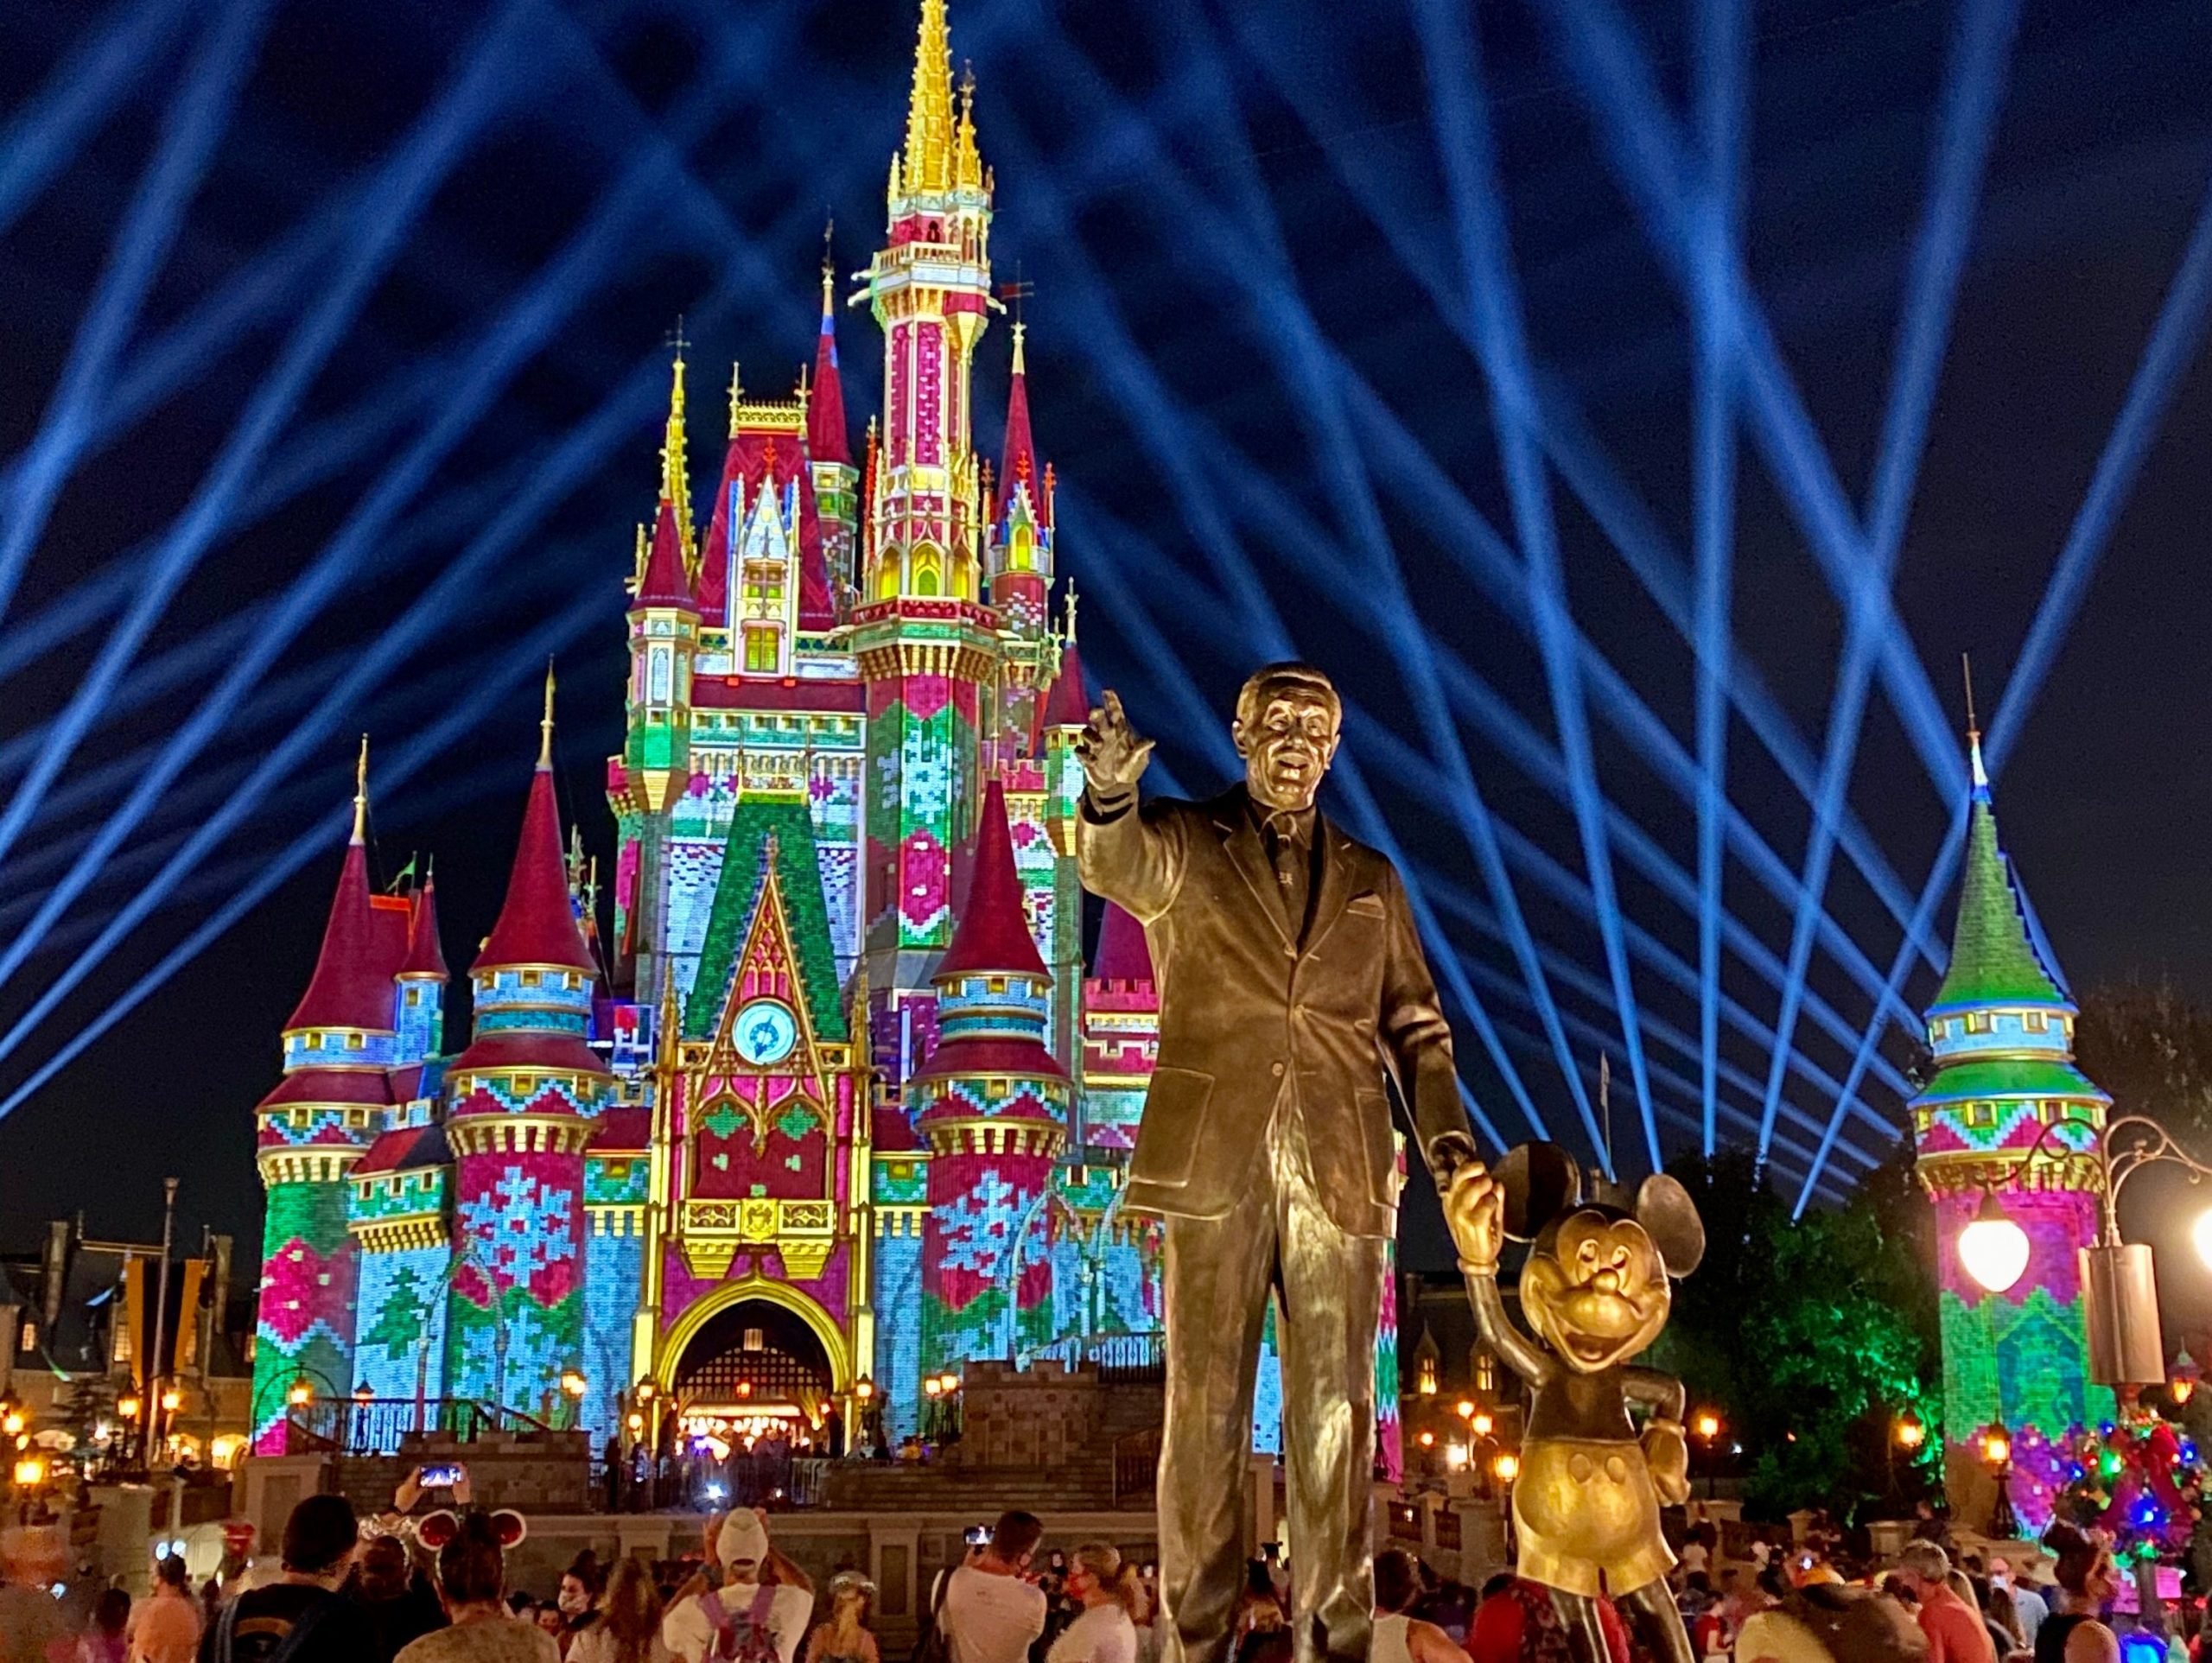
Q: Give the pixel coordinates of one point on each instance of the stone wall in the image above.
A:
(1040, 1418)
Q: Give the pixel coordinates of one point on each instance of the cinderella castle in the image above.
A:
(832, 1105)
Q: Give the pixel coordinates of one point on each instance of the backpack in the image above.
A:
(741, 1636)
(936, 1646)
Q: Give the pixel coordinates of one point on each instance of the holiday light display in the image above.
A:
(2001, 1030)
(2139, 1480)
(775, 1113)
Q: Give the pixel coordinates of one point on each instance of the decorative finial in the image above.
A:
(545, 724)
(1068, 629)
(361, 794)
(1981, 775)
(829, 237)
(736, 392)
(1020, 330)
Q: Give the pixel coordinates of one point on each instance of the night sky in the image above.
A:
(1238, 228)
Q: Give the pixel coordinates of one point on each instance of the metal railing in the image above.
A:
(1120, 1359)
(363, 1426)
(1137, 1466)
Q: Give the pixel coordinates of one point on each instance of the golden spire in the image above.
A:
(545, 724)
(1020, 360)
(967, 166)
(736, 393)
(675, 471)
(1068, 630)
(929, 112)
(361, 794)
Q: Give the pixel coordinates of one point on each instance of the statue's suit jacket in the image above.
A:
(1244, 1006)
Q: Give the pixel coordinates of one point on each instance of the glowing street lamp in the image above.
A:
(1997, 1456)
(127, 1407)
(1911, 1433)
(301, 1395)
(1505, 1466)
(1706, 1425)
(1993, 1248)
(1482, 1423)
(30, 1472)
(1464, 1409)
(13, 1424)
(2120, 1291)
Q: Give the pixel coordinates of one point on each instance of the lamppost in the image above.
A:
(1705, 1425)
(2119, 1294)
(572, 1387)
(865, 1413)
(1997, 1456)
(1505, 1467)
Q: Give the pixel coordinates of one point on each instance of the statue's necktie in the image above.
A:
(1292, 865)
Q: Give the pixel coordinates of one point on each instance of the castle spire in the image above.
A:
(928, 159)
(361, 795)
(1020, 469)
(966, 162)
(993, 934)
(537, 925)
(826, 441)
(1993, 957)
(545, 727)
(674, 469)
(351, 984)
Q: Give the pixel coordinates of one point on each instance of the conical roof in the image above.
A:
(351, 984)
(536, 924)
(1994, 961)
(826, 438)
(992, 936)
(1123, 955)
(1019, 464)
(1068, 702)
(426, 955)
(664, 583)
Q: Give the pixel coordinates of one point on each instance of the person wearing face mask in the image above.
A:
(757, 1614)
(581, 1584)
(1293, 996)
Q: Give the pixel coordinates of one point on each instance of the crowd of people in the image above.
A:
(384, 1592)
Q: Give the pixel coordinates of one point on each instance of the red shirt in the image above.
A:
(1955, 1629)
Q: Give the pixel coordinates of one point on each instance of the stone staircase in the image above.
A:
(964, 1481)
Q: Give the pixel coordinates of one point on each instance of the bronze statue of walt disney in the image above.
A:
(1294, 995)
(1594, 1289)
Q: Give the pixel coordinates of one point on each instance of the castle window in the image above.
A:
(1978, 1022)
(27, 1338)
(2036, 1022)
(760, 652)
(1485, 1372)
(355, 1041)
(531, 978)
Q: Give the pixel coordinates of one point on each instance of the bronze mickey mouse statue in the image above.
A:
(1595, 1289)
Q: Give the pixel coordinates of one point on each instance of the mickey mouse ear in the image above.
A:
(1541, 1181)
(511, 1527)
(1670, 1217)
(434, 1530)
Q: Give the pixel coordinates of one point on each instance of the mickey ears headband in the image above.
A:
(434, 1530)
(1542, 1183)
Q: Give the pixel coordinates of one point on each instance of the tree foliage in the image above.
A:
(2150, 1046)
(1811, 1338)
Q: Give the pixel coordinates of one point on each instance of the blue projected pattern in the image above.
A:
(1574, 842)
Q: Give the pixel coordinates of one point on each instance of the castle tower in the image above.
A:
(993, 1106)
(927, 645)
(655, 768)
(2002, 1032)
(1120, 1035)
(310, 1131)
(1021, 561)
(1056, 890)
(829, 455)
(423, 977)
(523, 1096)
